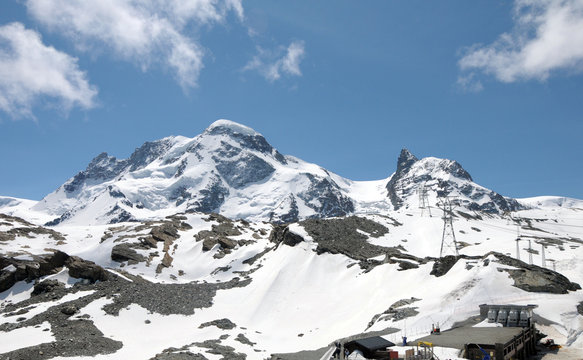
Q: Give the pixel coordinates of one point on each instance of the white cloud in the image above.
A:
(145, 32)
(272, 64)
(547, 37)
(30, 70)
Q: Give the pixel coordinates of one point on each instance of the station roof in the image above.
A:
(373, 343)
(457, 338)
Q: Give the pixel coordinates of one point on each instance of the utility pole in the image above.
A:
(448, 240)
(424, 199)
(544, 260)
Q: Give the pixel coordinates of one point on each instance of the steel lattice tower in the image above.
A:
(448, 241)
(424, 200)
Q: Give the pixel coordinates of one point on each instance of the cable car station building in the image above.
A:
(515, 340)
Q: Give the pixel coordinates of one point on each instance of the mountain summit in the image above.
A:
(442, 177)
(231, 169)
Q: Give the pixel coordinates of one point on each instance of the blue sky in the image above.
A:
(495, 85)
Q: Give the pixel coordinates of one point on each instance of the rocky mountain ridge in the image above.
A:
(232, 170)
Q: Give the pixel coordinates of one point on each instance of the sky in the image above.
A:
(494, 85)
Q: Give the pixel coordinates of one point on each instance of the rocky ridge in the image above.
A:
(232, 170)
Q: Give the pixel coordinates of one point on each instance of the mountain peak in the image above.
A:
(406, 159)
(223, 126)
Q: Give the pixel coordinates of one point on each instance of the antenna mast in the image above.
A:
(448, 240)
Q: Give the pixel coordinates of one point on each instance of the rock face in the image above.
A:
(533, 278)
(349, 236)
(443, 265)
(125, 252)
(282, 235)
(84, 269)
(14, 270)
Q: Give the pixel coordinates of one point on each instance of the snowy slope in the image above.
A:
(291, 281)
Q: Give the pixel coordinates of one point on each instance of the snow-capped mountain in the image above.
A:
(172, 280)
(440, 178)
(232, 170)
(229, 168)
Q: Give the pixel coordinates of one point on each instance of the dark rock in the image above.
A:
(406, 265)
(580, 308)
(118, 215)
(282, 235)
(533, 278)
(84, 269)
(211, 198)
(325, 198)
(165, 232)
(102, 167)
(396, 312)
(180, 195)
(345, 236)
(256, 257)
(342, 236)
(123, 252)
(147, 153)
(29, 270)
(226, 243)
(23, 228)
(227, 352)
(69, 310)
(179, 355)
(404, 163)
(7, 280)
(247, 169)
(167, 260)
(224, 324)
(218, 234)
(442, 265)
(149, 241)
(114, 192)
(244, 340)
(47, 286)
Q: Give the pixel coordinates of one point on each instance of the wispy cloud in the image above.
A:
(31, 71)
(547, 38)
(283, 61)
(145, 32)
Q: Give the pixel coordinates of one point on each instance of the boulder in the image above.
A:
(69, 310)
(84, 269)
(165, 232)
(123, 252)
(47, 286)
(534, 278)
(442, 265)
(282, 234)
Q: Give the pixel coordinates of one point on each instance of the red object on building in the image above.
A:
(393, 354)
